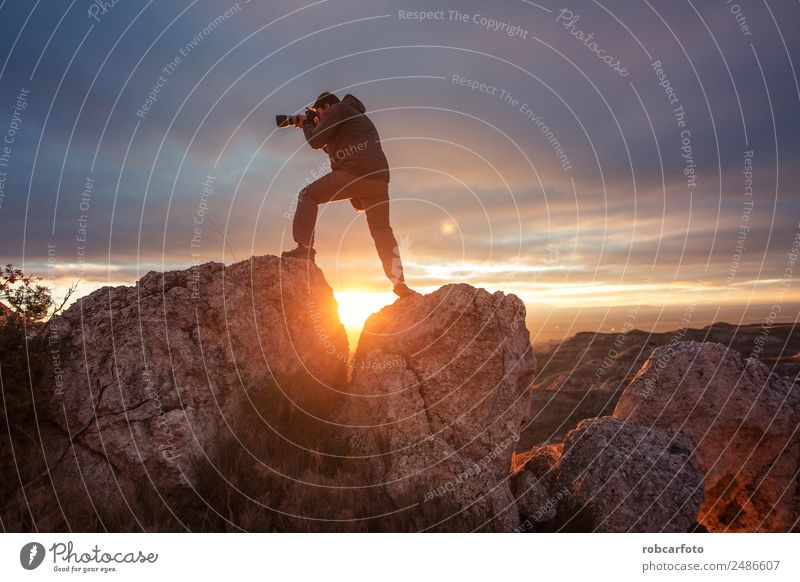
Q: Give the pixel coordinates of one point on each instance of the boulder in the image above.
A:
(534, 484)
(742, 422)
(534, 502)
(154, 374)
(441, 387)
(541, 461)
(625, 477)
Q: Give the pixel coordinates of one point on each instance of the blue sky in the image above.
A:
(479, 192)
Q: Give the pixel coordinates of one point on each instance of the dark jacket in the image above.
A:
(350, 139)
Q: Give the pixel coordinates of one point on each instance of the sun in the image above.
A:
(356, 306)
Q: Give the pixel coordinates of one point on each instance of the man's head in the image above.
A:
(323, 103)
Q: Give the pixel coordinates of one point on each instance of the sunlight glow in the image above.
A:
(356, 306)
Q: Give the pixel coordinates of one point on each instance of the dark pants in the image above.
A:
(371, 195)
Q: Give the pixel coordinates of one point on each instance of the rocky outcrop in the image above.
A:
(697, 423)
(743, 423)
(154, 375)
(583, 376)
(226, 398)
(625, 477)
(441, 387)
(609, 476)
(223, 397)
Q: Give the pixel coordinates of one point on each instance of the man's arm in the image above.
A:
(319, 135)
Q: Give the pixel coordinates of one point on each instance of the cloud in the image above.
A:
(556, 152)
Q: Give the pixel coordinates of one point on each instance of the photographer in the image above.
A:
(359, 173)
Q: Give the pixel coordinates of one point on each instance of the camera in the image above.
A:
(292, 120)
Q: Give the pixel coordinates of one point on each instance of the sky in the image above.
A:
(612, 163)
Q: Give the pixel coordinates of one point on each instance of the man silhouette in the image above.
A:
(359, 173)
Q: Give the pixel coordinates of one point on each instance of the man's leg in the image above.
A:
(377, 210)
(326, 189)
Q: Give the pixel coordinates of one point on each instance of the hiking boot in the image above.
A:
(301, 252)
(403, 290)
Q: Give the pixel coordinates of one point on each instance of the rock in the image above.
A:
(533, 499)
(534, 484)
(445, 379)
(542, 462)
(222, 398)
(743, 423)
(624, 477)
(155, 374)
(583, 376)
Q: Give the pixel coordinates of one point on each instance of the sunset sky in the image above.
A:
(654, 163)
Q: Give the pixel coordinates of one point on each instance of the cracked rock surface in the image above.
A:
(426, 416)
(742, 422)
(154, 373)
(625, 477)
(441, 386)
